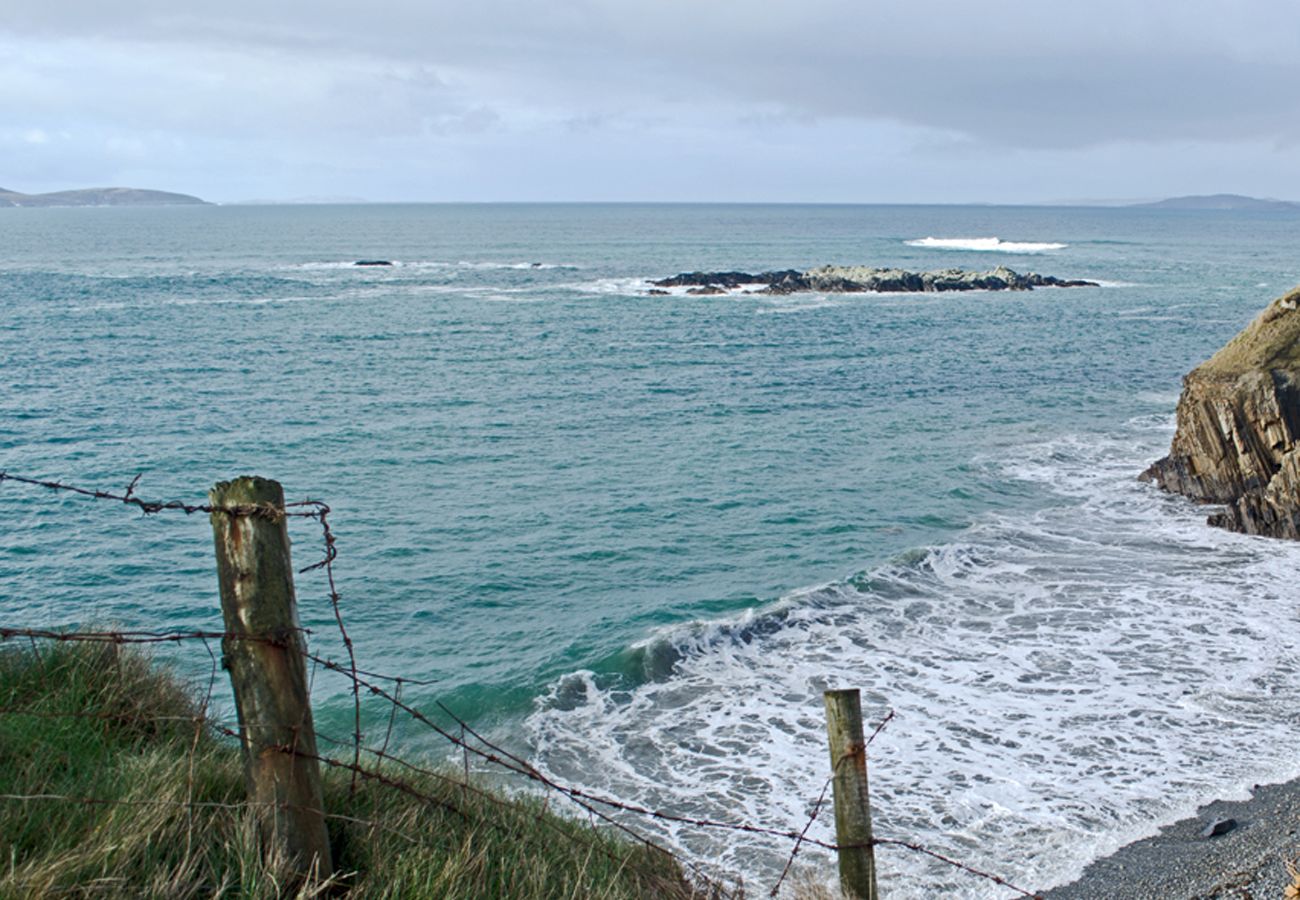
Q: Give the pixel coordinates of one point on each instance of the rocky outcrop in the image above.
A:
(863, 279)
(1238, 437)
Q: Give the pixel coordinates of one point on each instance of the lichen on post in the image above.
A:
(849, 791)
(264, 651)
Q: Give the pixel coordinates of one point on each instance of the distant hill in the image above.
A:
(112, 196)
(1220, 201)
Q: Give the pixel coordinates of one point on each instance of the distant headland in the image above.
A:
(111, 196)
(1220, 201)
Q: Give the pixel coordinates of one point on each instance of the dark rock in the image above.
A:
(1218, 827)
(708, 290)
(1238, 438)
(657, 292)
(859, 279)
(706, 279)
(786, 282)
(372, 262)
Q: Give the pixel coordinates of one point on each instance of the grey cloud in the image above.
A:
(656, 99)
(228, 92)
(1035, 74)
(1052, 103)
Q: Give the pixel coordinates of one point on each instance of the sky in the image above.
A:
(870, 101)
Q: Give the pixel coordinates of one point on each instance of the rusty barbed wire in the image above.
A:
(306, 509)
(302, 509)
(593, 804)
(331, 553)
(489, 752)
(926, 851)
(817, 808)
(145, 637)
(152, 507)
(410, 790)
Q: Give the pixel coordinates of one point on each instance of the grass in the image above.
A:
(1270, 341)
(113, 784)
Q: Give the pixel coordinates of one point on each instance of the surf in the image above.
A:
(985, 244)
(1064, 681)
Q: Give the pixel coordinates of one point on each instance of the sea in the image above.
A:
(634, 537)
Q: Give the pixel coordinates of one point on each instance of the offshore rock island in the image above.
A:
(861, 279)
(1239, 427)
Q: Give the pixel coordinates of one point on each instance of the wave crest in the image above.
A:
(985, 244)
(1052, 669)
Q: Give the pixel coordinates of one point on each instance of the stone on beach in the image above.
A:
(1218, 827)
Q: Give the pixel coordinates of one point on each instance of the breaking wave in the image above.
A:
(1065, 681)
(430, 264)
(985, 244)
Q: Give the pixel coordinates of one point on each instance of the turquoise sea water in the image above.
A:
(638, 535)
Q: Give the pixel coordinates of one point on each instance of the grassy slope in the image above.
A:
(155, 807)
(1270, 341)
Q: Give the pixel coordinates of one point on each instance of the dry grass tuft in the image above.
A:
(1292, 891)
(139, 798)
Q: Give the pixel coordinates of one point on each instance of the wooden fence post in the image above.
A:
(269, 676)
(849, 782)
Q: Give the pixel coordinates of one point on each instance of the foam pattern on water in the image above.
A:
(986, 244)
(1063, 683)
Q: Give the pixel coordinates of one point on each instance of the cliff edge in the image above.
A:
(1238, 437)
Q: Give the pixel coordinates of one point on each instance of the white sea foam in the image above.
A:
(507, 295)
(337, 264)
(985, 244)
(797, 303)
(635, 287)
(429, 264)
(1159, 398)
(524, 265)
(1064, 682)
(619, 287)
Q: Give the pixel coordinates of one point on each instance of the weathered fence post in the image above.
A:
(849, 783)
(269, 672)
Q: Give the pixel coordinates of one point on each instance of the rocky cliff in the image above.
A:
(1238, 437)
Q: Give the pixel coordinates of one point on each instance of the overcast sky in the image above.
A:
(782, 100)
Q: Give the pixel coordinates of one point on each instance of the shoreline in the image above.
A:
(1247, 862)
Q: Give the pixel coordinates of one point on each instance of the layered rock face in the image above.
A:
(1238, 437)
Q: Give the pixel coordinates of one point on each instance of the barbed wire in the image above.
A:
(306, 509)
(469, 741)
(817, 808)
(490, 752)
(152, 507)
(148, 637)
